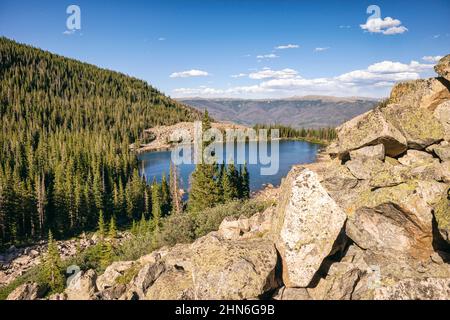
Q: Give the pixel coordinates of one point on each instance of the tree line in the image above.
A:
(287, 132)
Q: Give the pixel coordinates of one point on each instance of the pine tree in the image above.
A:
(101, 225)
(175, 189)
(231, 183)
(244, 182)
(52, 266)
(166, 201)
(112, 232)
(156, 203)
(204, 192)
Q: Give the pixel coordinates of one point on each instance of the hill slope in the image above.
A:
(301, 112)
(66, 128)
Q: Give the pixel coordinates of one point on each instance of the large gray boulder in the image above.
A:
(307, 224)
(233, 269)
(82, 286)
(415, 289)
(370, 128)
(443, 67)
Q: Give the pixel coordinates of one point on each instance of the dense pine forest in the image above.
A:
(66, 128)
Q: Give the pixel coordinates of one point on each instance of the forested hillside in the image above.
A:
(66, 128)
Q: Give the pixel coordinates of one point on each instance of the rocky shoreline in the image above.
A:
(370, 220)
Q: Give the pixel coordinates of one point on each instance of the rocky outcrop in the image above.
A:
(82, 286)
(443, 67)
(15, 262)
(27, 291)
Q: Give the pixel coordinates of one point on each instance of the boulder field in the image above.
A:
(370, 220)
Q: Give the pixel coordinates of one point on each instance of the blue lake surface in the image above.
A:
(291, 152)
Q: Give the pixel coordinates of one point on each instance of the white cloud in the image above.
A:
(189, 73)
(376, 81)
(239, 75)
(397, 67)
(287, 46)
(267, 73)
(432, 58)
(321, 49)
(267, 56)
(69, 32)
(161, 39)
(386, 26)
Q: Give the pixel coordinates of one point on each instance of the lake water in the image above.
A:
(291, 152)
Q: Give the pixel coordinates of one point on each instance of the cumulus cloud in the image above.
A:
(267, 56)
(189, 73)
(432, 58)
(287, 46)
(321, 49)
(386, 26)
(267, 73)
(239, 75)
(376, 80)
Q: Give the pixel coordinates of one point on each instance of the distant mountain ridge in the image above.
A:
(299, 112)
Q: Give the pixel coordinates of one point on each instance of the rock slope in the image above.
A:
(371, 220)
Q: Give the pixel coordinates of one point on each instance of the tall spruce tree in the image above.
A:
(204, 192)
(231, 183)
(244, 182)
(156, 204)
(52, 267)
(166, 201)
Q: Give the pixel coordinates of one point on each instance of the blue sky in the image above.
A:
(246, 48)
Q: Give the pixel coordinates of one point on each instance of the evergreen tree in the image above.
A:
(52, 266)
(156, 203)
(174, 187)
(244, 182)
(231, 183)
(112, 232)
(101, 225)
(166, 201)
(204, 192)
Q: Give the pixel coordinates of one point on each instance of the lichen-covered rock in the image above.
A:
(397, 221)
(27, 291)
(442, 215)
(307, 224)
(415, 289)
(415, 157)
(364, 169)
(224, 269)
(443, 67)
(369, 152)
(172, 285)
(292, 294)
(442, 113)
(370, 128)
(442, 150)
(420, 94)
(418, 125)
(82, 286)
(112, 273)
(145, 278)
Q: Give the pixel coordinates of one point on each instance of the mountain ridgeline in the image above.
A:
(310, 112)
(66, 128)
